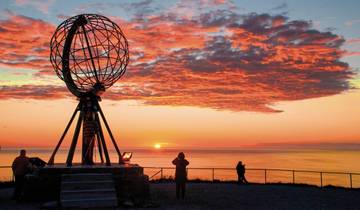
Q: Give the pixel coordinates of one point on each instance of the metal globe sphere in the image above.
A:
(89, 52)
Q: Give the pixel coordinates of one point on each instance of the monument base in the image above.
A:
(128, 179)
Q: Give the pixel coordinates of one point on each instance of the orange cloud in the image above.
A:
(24, 42)
(219, 59)
(33, 92)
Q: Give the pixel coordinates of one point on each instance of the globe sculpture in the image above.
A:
(89, 53)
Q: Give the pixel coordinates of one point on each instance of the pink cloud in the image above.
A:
(350, 23)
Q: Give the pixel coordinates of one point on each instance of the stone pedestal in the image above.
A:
(129, 180)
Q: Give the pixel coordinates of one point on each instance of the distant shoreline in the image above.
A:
(272, 148)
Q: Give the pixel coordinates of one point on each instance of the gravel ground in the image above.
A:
(256, 197)
(221, 196)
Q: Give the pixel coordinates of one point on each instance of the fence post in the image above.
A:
(161, 173)
(321, 179)
(350, 180)
(265, 175)
(213, 174)
(293, 173)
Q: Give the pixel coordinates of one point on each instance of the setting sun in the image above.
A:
(157, 146)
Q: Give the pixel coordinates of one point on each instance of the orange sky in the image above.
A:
(40, 123)
(203, 74)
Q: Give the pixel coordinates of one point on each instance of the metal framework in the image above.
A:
(89, 53)
(89, 49)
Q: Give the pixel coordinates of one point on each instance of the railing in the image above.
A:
(10, 176)
(254, 175)
(264, 175)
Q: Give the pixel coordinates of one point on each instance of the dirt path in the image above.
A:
(256, 197)
(221, 196)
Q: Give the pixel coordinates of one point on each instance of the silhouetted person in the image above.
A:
(20, 167)
(240, 168)
(180, 174)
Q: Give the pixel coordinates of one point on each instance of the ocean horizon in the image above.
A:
(312, 159)
(322, 152)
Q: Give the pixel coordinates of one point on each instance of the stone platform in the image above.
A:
(129, 181)
(120, 169)
(88, 190)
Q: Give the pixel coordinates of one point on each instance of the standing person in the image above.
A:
(20, 167)
(240, 169)
(180, 174)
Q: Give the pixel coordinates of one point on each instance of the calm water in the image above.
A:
(320, 160)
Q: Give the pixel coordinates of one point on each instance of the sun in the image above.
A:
(157, 146)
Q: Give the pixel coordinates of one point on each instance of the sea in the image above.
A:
(282, 165)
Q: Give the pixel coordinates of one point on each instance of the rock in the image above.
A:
(50, 204)
(128, 203)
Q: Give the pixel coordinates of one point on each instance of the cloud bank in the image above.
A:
(218, 59)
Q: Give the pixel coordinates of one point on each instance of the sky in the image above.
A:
(208, 73)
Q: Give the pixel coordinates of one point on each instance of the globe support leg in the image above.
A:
(99, 147)
(110, 133)
(95, 131)
(101, 134)
(52, 158)
(75, 139)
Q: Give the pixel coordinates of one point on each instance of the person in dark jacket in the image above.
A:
(20, 167)
(240, 168)
(180, 174)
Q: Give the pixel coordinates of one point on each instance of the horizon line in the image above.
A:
(274, 145)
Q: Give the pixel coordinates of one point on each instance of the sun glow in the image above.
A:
(157, 146)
